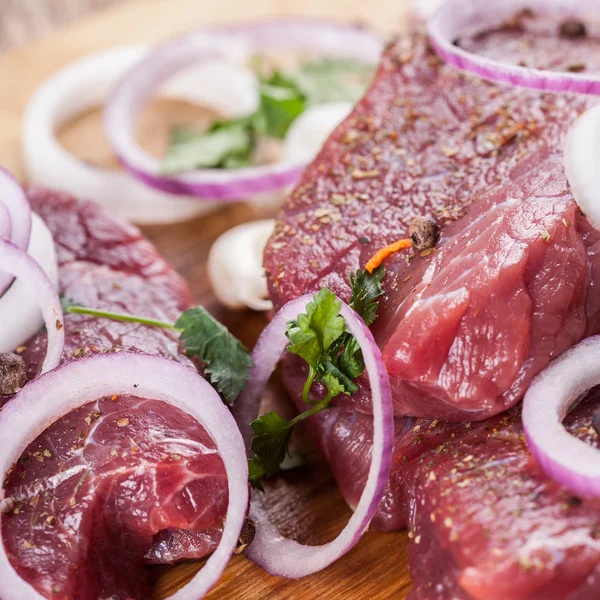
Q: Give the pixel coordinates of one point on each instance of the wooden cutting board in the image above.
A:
(305, 502)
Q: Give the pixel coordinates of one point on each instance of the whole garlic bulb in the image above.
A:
(235, 266)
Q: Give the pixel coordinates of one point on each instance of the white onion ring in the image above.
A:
(37, 287)
(51, 396)
(138, 85)
(566, 459)
(20, 315)
(270, 550)
(85, 84)
(457, 17)
(582, 163)
(5, 222)
(235, 266)
(16, 218)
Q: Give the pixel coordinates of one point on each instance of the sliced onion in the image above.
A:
(15, 216)
(225, 43)
(311, 129)
(20, 314)
(51, 396)
(85, 84)
(456, 18)
(32, 285)
(5, 222)
(235, 266)
(566, 459)
(270, 550)
(582, 162)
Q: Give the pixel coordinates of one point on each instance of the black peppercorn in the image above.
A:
(13, 373)
(572, 29)
(424, 233)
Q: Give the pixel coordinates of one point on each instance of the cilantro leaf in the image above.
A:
(269, 444)
(350, 360)
(313, 333)
(337, 383)
(224, 145)
(366, 290)
(226, 360)
(279, 107)
(332, 80)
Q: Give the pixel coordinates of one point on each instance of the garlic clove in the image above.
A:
(311, 129)
(235, 266)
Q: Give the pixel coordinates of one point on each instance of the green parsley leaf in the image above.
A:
(226, 360)
(269, 444)
(332, 80)
(313, 333)
(337, 383)
(224, 145)
(350, 360)
(279, 107)
(366, 290)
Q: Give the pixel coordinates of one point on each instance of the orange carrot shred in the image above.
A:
(386, 251)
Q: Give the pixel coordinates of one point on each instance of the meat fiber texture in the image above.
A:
(123, 481)
(463, 329)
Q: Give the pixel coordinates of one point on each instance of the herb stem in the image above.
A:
(312, 373)
(114, 316)
(323, 404)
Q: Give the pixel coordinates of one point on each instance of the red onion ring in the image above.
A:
(74, 384)
(270, 550)
(457, 17)
(224, 43)
(564, 458)
(19, 264)
(18, 212)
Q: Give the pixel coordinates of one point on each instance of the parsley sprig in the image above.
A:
(334, 359)
(225, 359)
(283, 98)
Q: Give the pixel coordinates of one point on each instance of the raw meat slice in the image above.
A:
(124, 481)
(427, 139)
(485, 523)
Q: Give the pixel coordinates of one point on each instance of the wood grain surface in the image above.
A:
(305, 503)
(25, 20)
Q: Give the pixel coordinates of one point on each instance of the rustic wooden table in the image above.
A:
(305, 503)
